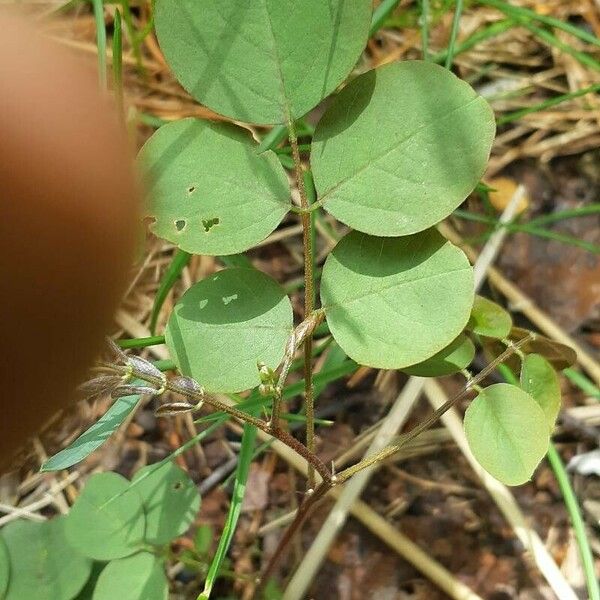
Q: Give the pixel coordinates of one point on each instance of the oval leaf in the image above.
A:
(453, 358)
(4, 567)
(489, 319)
(171, 501)
(262, 61)
(210, 193)
(394, 302)
(137, 577)
(43, 565)
(507, 433)
(107, 520)
(225, 324)
(540, 381)
(434, 135)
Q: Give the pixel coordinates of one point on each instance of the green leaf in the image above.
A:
(453, 358)
(94, 437)
(400, 148)
(107, 520)
(43, 565)
(507, 432)
(394, 302)
(4, 567)
(170, 499)
(210, 192)
(540, 381)
(138, 577)
(227, 322)
(262, 61)
(489, 319)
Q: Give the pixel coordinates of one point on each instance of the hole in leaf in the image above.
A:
(180, 224)
(177, 485)
(210, 223)
(191, 189)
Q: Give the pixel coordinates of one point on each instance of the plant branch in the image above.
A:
(198, 395)
(309, 304)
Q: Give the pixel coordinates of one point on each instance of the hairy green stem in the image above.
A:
(309, 304)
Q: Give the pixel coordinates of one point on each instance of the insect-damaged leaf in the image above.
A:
(400, 148)
(262, 61)
(210, 192)
(225, 324)
(394, 302)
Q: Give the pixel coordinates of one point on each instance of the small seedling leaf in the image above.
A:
(453, 358)
(262, 61)
(400, 148)
(210, 193)
(107, 520)
(394, 302)
(507, 432)
(225, 324)
(170, 499)
(540, 381)
(43, 565)
(138, 577)
(94, 437)
(489, 319)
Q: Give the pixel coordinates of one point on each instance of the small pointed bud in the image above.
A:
(175, 408)
(267, 375)
(103, 384)
(116, 350)
(132, 390)
(188, 384)
(144, 367)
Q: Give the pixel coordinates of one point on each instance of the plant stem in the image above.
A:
(200, 397)
(309, 304)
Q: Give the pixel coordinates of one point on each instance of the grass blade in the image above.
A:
(518, 114)
(100, 41)
(454, 33)
(380, 15)
(524, 13)
(239, 490)
(154, 340)
(425, 28)
(117, 62)
(179, 262)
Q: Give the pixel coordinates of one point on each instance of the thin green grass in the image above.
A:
(519, 114)
(180, 260)
(100, 42)
(530, 228)
(381, 14)
(454, 33)
(128, 344)
(117, 64)
(424, 22)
